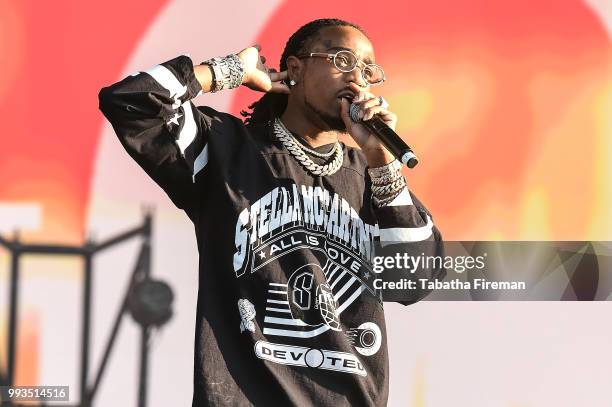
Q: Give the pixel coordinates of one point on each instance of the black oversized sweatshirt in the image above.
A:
(286, 312)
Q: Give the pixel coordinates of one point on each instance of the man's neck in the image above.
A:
(315, 136)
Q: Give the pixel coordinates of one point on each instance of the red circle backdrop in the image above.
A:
(497, 98)
(503, 101)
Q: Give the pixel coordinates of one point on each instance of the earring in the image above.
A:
(292, 82)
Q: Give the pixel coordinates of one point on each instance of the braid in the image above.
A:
(272, 105)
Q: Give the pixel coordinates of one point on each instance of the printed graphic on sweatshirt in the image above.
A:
(284, 220)
(366, 338)
(312, 298)
(311, 302)
(309, 357)
(247, 314)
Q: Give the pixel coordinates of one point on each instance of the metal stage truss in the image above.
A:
(141, 273)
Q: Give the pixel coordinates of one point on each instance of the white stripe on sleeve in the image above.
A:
(402, 199)
(167, 79)
(200, 161)
(189, 130)
(407, 234)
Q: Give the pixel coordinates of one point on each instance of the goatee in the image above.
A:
(333, 122)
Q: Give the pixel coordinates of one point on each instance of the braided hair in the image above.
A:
(272, 105)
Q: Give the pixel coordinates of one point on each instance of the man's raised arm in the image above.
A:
(161, 129)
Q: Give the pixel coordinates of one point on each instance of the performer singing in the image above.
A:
(284, 214)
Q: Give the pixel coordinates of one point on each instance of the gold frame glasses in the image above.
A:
(335, 58)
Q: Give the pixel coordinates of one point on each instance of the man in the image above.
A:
(284, 214)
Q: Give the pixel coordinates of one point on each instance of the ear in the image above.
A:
(295, 69)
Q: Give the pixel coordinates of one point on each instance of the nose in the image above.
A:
(356, 76)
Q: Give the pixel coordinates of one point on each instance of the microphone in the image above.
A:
(387, 136)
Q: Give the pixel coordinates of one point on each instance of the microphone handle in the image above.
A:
(392, 141)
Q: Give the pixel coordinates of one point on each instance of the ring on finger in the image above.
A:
(382, 102)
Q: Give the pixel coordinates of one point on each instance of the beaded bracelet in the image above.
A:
(382, 190)
(390, 169)
(387, 179)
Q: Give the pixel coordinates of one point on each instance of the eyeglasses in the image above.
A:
(346, 61)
